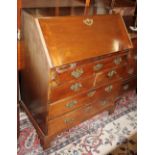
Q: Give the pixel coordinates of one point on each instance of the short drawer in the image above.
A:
(109, 76)
(75, 117)
(70, 89)
(75, 71)
(63, 106)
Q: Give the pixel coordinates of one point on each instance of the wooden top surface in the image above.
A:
(69, 40)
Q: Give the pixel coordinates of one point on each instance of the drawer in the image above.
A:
(108, 76)
(129, 85)
(70, 89)
(63, 106)
(75, 71)
(75, 117)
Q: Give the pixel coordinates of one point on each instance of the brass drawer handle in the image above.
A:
(71, 104)
(69, 120)
(97, 67)
(88, 21)
(76, 86)
(91, 93)
(109, 88)
(77, 73)
(88, 109)
(103, 102)
(111, 73)
(117, 60)
(125, 87)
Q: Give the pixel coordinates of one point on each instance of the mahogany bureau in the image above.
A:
(73, 69)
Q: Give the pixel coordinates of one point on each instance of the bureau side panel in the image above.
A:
(34, 75)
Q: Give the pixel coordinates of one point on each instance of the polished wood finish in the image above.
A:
(86, 68)
(19, 57)
(63, 106)
(70, 88)
(19, 6)
(34, 75)
(73, 71)
(75, 117)
(69, 48)
(45, 140)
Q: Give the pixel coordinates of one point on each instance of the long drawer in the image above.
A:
(75, 71)
(63, 106)
(75, 117)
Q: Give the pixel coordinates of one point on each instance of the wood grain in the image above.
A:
(64, 73)
(75, 117)
(69, 104)
(34, 75)
(66, 46)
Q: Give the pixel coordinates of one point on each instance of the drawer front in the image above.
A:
(109, 76)
(70, 89)
(129, 85)
(61, 107)
(73, 71)
(75, 117)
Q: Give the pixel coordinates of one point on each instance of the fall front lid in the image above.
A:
(70, 39)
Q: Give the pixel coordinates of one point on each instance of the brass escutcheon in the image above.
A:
(91, 93)
(77, 73)
(98, 67)
(71, 104)
(109, 88)
(88, 21)
(117, 60)
(111, 73)
(76, 86)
